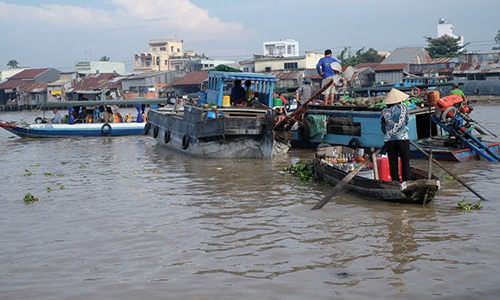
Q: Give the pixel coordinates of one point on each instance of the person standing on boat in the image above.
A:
(304, 92)
(237, 93)
(57, 117)
(457, 91)
(394, 121)
(327, 67)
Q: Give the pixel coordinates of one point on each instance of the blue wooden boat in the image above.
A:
(219, 130)
(359, 127)
(50, 130)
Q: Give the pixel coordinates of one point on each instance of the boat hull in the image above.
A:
(74, 130)
(418, 190)
(233, 134)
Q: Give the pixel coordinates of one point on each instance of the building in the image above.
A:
(148, 84)
(158, 56)
(266, 64)
(281, 48)
(6, 74)
(192, 82)
(92, 67)
(11, 89)
(393, 68)
(478, 66)
(444, 28)
(92, 87)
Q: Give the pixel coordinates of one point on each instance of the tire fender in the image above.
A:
(155, 131)
(354, 143)
(106, 128)
(185, 141)
(166, 137)
(146, 128)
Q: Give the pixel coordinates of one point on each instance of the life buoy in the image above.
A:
(287, 106)
(415, 92)
(354, 143)
(40, 120)
(166, 137)
(185, 141)
(155, 131)
(106, 128)
(146, 128)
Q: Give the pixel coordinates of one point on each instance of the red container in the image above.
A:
(384, 172)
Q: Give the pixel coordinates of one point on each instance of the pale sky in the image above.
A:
(57, 33)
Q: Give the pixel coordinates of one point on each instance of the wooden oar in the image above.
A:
(452, 175)
(342, 183)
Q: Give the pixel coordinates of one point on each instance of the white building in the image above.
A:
(92, 67)
(447, 29)
(281, 48)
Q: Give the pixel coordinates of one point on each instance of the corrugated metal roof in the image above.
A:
(34, 87)
(192, 78)
(59, 82)
(475, 68)
(366, 65)
(92, 82)
(391, 67)
(147, 74)
(408, 55)
(443, 60)
(29, 73)
(14, 83)
(287, 75)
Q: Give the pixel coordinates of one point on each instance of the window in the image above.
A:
(163, 48)
(171, 48)
(166, 62)
(178, 50)
(268, 69)
(289, 66)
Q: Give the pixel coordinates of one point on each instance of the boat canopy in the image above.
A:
(103, 102)
(262, 84)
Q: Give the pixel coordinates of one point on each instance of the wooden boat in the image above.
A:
(419, 189)
(218, 130)
(50, 130)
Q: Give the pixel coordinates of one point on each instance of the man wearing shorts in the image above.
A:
(325, 70)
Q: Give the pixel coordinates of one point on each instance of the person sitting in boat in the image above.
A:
(57, 117)
(81, 115)
(394, 121)
(118, 117)
(128, 118)
(237, 97)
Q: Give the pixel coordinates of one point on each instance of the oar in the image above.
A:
(452, 175)
(342, 183)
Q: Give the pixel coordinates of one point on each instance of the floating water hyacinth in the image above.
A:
(29, 198)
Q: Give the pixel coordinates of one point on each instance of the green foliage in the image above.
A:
(361, 56)
(302, 169)
(27, 173)
(104, 58)
(445, 46)
(29, 198)
(49, 189)
(467, 206)
(12, 64)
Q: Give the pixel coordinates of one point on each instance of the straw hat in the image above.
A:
(395, 96)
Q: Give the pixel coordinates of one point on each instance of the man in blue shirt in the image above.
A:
(57, 117)
(325, 70)
(394, 121)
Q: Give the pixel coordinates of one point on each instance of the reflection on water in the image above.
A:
(125, 218)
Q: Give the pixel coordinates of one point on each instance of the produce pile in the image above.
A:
(375, 101)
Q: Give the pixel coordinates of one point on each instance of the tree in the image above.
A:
(12, 64)
(497, 40)
(444, 46)
(361, 56)
(104, 58)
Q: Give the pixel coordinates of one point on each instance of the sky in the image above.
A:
(57, 33)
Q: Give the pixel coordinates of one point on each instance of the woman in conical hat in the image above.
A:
(394, 121)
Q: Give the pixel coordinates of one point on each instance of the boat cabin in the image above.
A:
(220, 83)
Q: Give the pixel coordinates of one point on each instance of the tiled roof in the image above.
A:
(192, 78)
(29, 73)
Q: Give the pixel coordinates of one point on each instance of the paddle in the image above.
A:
(452, 175)
(342, 183)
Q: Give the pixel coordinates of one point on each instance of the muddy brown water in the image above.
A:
(123, 218)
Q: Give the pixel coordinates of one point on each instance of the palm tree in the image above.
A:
(12, 64)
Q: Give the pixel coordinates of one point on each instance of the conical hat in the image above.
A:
(395, 96)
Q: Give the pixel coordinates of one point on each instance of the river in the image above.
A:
(124, 218)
